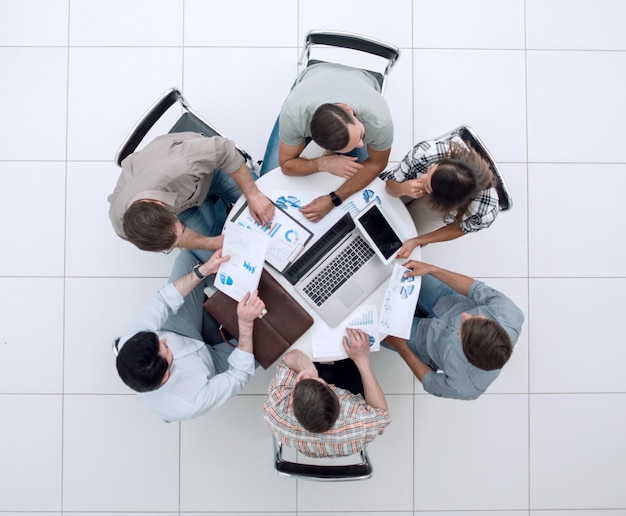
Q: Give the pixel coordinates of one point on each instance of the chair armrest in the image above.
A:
(150, 117)
(469, 136)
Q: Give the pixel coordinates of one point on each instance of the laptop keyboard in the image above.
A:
(319, 249)
(338, 271)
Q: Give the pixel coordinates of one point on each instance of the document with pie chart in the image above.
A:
(287, 237)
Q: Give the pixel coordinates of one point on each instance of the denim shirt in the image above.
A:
(437, 342)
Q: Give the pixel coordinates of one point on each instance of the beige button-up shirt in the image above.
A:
(175, 169)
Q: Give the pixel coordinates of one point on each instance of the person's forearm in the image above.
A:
(185, 284)
(443, 234)
(300, 166)
(393, 188)
(244, 180)
(297, 361)
(246, 329)
(419, 368)
(360, 180)
(454, 280)
(193, 240)
(374, 395)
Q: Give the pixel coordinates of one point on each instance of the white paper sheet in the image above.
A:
(399, 303)
(287, 236)
(327, 342)
(242, 272)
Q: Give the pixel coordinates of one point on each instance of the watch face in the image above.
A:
(335, 198)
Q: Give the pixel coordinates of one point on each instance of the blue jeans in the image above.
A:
(187, 321)
(208, 219)
(432, 289)
(430, 292)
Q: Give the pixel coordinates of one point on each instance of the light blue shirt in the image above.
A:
(437, 341)
(194, 386)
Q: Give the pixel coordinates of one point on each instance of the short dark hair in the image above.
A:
(329, 127)
(139, 364)
(486, 344)
(315, 405)
(150, 226)
(459, 178)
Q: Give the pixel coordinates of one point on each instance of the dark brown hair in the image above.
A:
(150, 226)
(329, 127)
(458, 180)
(315, 405)
(485, 343)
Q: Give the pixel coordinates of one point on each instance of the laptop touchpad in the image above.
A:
(349, 296)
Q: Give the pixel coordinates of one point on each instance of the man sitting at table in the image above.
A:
(342, 110)
(176, 190)
(162, 354)
(321, 419)
(464, 335)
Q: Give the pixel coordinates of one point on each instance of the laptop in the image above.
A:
(339, 271)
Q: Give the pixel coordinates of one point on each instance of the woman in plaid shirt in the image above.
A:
(453, 181)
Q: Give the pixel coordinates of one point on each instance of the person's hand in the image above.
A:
(261, 208)
(212, 264)
(407, 248)
(416, 268)
(356, 344)
(415, 188)
(318, 208)
(339, 165)
(250, 307)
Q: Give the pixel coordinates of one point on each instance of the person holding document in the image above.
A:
(463, 336)
(163, 357)
(175, 192)
(321, 419)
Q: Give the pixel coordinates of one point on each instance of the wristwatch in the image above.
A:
(196, 269)
(335, 198)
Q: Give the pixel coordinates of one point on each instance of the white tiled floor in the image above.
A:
(542, 81)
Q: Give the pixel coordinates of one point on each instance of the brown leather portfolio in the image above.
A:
(285, 321)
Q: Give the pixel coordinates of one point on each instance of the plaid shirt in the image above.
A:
(357, 424)
(480, 213)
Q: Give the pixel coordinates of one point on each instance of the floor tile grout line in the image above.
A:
(65, 217)
(528, 258)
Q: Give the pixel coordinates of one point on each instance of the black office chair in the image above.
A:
(355, 42)
(189, 121)
(322, 472)
(471, 139)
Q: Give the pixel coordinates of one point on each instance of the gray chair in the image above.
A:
(321, 472)
(352, 41)
(471, 139)
(189, 121)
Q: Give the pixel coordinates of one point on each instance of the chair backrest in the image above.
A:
(471, 139)
(354, 42)
(189, 121)
(322, 472)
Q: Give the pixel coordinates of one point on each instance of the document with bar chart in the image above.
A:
(287, 237)
(327, 342)
(242, 272)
